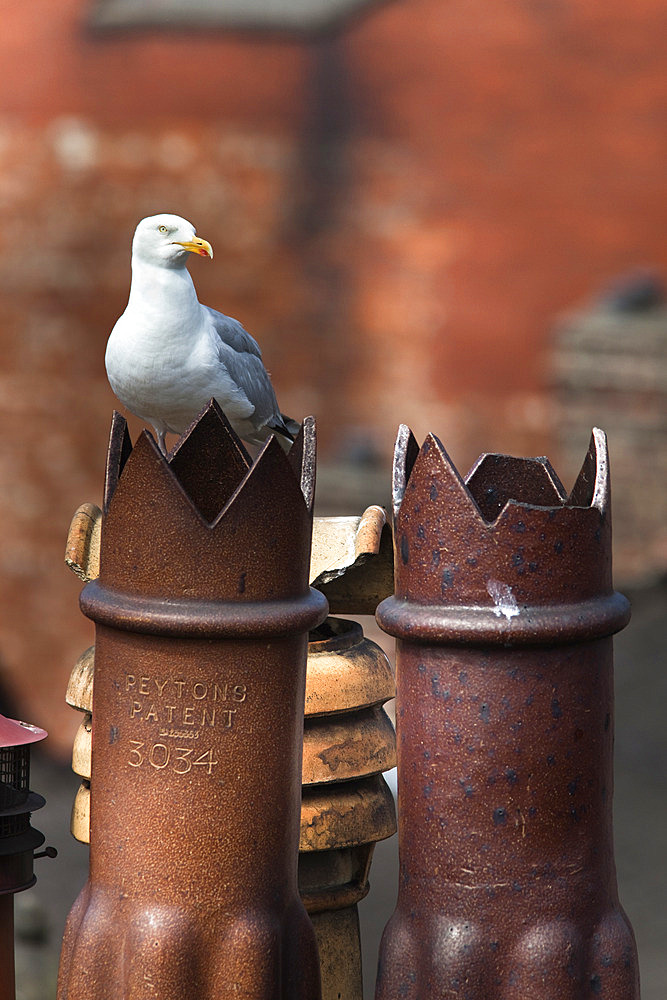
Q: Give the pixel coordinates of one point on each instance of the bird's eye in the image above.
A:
(162, 229)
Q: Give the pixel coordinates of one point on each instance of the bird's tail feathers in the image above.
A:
(293, 426)
(285, 430)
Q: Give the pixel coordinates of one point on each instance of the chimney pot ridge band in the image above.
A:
(203, 619)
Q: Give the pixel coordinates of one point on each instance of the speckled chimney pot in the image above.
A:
(202, 608)
(503, 611)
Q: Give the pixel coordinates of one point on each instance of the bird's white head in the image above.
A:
(166, 240)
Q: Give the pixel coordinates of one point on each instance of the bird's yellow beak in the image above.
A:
(202, 247)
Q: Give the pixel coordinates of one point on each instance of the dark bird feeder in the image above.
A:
(202, 610)
(18, 839)
(503, 611)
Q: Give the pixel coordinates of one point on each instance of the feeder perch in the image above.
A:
(18, 839)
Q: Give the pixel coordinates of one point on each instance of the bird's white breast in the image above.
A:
(161, 358)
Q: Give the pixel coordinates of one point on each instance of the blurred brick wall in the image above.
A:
(398, 214)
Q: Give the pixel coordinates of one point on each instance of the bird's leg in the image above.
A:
(161, 442)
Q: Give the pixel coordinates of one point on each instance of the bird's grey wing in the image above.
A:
(241, 356)
(232, 333)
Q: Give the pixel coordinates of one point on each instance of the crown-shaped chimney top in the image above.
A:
(508, 532)
(206, 521)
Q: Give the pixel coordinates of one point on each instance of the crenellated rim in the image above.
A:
(206, 521)
(496, 480)
(209, 464)
(505, 540)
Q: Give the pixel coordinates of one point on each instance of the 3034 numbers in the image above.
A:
(180, 760)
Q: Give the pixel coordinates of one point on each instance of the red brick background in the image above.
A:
(399, 214)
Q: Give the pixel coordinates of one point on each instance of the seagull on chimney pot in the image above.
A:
(168, 354)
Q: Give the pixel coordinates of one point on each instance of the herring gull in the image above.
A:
(168, 354)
